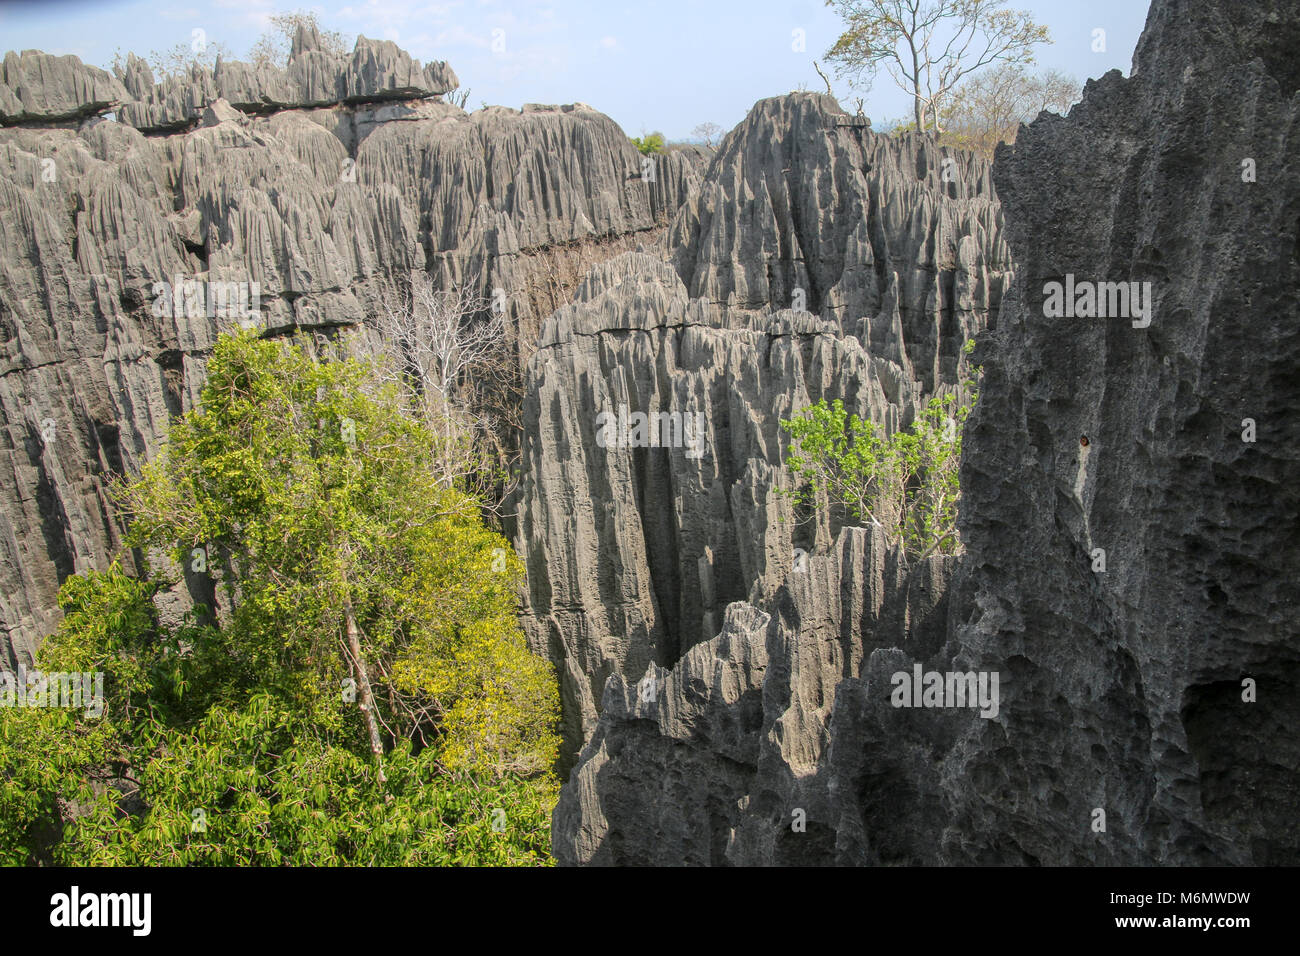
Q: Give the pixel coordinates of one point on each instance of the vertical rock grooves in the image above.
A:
(315, 182)
(1122, 690)
(1197, 525)
(778, 292)
(1129, 502)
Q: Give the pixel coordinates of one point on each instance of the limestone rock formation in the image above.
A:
(355, 175)
(377, 70)
(777, 721)
(38, 87)
(728, 668)
(893, 238)
(1129, 509)
(817, 259)
(1102, 434)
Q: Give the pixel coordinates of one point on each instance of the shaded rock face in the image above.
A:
(818, 260)
(714, 761)
(310, 206)
(1121, 690)
(1143, 664)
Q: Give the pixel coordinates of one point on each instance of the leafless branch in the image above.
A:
(444, 348)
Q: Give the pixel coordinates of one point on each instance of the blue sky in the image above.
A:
(665, 65)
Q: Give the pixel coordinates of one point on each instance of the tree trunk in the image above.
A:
(916, 87)
(363, 683)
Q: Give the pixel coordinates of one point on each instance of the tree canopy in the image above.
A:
(989, 108)
(359, 691)
(649, 144)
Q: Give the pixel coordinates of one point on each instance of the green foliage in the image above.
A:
(254, 787)
(50, 762)
(907, 482)
(650, 144)
(313, 501)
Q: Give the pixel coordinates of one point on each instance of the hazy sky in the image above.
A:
(666, 65)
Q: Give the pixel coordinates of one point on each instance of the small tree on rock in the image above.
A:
(709, 132)
(273, 47)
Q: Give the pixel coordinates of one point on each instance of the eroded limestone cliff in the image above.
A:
(818, 259)
(314, 183)
(1155, 682)
(1129, 502)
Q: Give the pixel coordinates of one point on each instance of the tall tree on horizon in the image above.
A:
(929, 46)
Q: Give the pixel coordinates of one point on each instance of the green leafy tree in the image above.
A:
(363, 692)
(352, 556)
(907, 483)
(649, 144)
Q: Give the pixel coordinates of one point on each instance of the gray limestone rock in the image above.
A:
(376, 71)
(722, 759)
(727, 669)
(843, 267)
(314, 205)
(40, 88)
(1130, 567)
(1097, 434)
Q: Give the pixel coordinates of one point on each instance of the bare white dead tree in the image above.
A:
(709, 132)
(441, 346)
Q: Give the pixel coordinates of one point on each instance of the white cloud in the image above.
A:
(458, 36)
(254, 13)
(609, 43)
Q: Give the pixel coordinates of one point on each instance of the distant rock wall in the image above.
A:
(38, 88)
(313, 182)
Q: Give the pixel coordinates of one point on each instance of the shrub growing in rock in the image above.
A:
(649, 144)
(906, 482)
